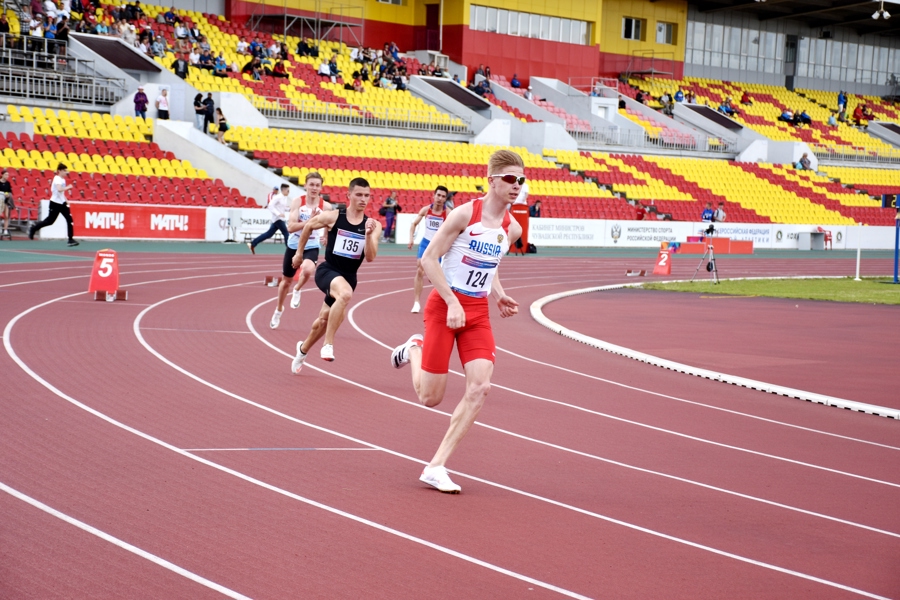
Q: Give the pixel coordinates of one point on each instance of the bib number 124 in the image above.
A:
(477, 279)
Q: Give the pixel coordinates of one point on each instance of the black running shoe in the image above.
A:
(72, 243)
(31, 232)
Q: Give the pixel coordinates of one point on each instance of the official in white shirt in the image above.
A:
(279, 205)
(58, 205)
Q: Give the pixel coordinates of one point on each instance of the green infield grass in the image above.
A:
(869, 290)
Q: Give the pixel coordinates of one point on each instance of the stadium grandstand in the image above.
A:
(788, 113)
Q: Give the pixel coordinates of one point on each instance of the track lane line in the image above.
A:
(123, 544)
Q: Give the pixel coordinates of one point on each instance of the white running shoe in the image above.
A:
(295, 299)
(276, 319)
(400, 355)
(416, 308)
(327, 352)
(437, 477)
(297, 363)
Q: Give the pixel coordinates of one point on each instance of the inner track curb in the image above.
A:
(538, 315)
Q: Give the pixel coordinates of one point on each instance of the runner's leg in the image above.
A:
(417, 281)
(307, 269)
(429, 386)
(283, 287)
(478, 384)
(341, 291)
(318, 329)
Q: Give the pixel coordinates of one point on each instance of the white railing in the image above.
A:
(69, 87)
(853, 154)
(600, 138)
(356, 115)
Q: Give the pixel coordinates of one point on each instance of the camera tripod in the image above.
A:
(710, 264)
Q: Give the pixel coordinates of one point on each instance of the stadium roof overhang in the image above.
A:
(855, 14)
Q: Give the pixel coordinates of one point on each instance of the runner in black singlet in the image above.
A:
(352, 238)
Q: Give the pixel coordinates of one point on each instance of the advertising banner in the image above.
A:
(132, 221)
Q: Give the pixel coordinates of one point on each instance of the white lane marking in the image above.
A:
(695, 403)
(190, 330)
(474, 478)
(350, 317)
(538, 315)
(123, 544)
(247, 478)
(278, 449)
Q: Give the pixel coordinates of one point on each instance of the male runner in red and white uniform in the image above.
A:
(472, 240)
(352, 239)
(434, 215)
(303, 208)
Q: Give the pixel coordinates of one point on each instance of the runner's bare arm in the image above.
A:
(324, 219)
(293, 222)
(373, 234)
(455, 223)
(412, 228)
(508, 307)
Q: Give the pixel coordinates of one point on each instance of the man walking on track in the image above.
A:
(278, 206)
(58, 205)
(352, 238)
(434, 216)
(304, 259)
(472, 240)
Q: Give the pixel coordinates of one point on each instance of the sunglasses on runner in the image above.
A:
(510, 178)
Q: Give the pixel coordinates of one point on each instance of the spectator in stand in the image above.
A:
(803, 118)
(158, 47)
(398, 82)
(140, 103)
(597, 90)
(222, 127)
(707, 215)
(487, 73)
(486, 86)
(199, 112)
(256, 69)
(514, 82)
(279, 70)
(480, 70)
(37, 8)
(210, 105)
(456, 80)
(804, 163)
(194, 34)
(50, 9)
(841, 101)
(858, 115)
(534, 211)
(679, 96)
(162, 105)
(842, 115)
(726, 109)
(206, 61)
(690, 98)
(385, 83)
(640, 97)
(62, 33)
(528, 95)
(333, 67)
(273, 51)
(358, 85)
(720, 216)
(324, 70)
(640, 212)
(181, 32)
(242, 46)
(6, 200)
(220, 67)
(302, 48)
(170, 16)
(745, 99)
(622, 104)
(357, 54)
(364, 73)
(194, 57)
(389, 211)
(203, 43)
(181, 66)
(832, 121)
(787, 116)
(868, 115)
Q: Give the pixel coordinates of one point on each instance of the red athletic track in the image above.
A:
(572, 479)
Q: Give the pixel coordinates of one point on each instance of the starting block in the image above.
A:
(663, 263)
(632, 273)
(111, 296)
(104, 282)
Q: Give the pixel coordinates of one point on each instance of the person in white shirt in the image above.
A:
(194, 57)
(279, 204)
(242, 46)
(162, 105)
(719, 215)
(58, 205)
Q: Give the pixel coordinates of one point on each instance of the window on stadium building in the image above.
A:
(665, 33)
(542, 27)
(632, 29)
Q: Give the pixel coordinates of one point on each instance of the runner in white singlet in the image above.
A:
(302, 209)
(472, 240)
(434, 215)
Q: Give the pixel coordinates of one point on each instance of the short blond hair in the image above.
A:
(504, 158)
